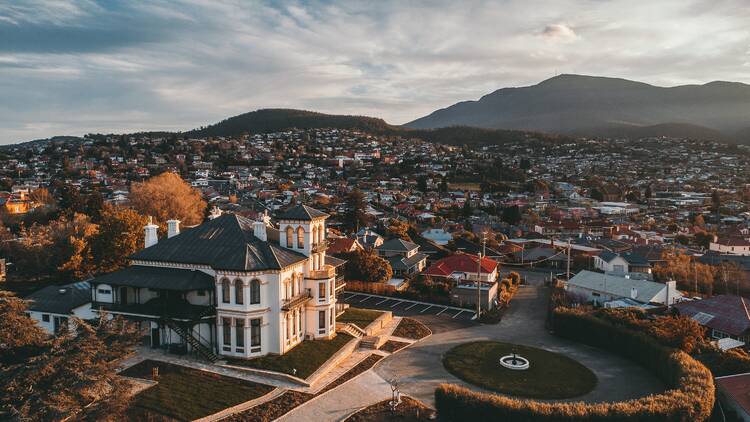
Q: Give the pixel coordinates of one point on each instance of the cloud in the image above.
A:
(68, 67)
(559, 32)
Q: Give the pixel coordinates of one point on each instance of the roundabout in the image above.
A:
(520, 371)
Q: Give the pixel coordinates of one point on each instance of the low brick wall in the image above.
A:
(269, 374)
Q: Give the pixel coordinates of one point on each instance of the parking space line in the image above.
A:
(384, 300)
(367, 297)
(426, 309)
(412, 305)
(351, 296)
(444, 309)
(459, 313)
(397, 303)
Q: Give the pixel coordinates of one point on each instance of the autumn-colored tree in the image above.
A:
(166, 197)
(119, 235)
(679, 332)
(688, 273)
(41, 196)
(18, 332)
(398, 228)
(72, 375)
(367, 266)
(57, 250)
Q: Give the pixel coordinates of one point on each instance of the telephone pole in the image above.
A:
(567, 272)
(479, 274)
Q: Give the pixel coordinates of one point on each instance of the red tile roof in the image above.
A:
(460, 263)
(737, 387)
(342, 245)
(730, 313)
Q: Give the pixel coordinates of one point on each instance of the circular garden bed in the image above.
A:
(550, 375)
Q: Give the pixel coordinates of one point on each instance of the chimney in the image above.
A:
(173, 228)
(151, 237)
(259, 227)
(671, 292)
(215, 213)
(633, 293)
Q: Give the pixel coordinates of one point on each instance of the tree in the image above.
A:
(715, 202)
(512, 215)
(18, 333)
(365, 265)
(467, 211)
(355, 209)
(70, 375)
(686, 272)
(422, 183)
(119, 236)
(69, 199)
(647, 194)
(398, 228)
(166, 197)
(94, 205)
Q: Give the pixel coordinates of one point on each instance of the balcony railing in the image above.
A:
(340, 283)
(324, 273)
(293, 302)
(159, 309)
(319, 246)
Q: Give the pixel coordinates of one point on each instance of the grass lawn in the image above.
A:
(185, 394)
(306, 357)
(359, 317)
(550, 376)
(411, 328)
(409, 410)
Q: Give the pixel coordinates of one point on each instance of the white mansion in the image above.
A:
(230, 286)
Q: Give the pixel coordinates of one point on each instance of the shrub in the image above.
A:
(690, 396)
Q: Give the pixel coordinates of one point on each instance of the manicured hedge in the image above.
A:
(690, 396)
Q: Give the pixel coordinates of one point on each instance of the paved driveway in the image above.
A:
(419, 368)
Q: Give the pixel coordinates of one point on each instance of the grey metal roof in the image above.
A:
(334, 262)
(398, 262)
(224, 243)
(397, 245)
(144, 276)
(50, 299)
(617, 286)
(301, 212)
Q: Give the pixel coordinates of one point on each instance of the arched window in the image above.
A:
(255, 292)
(315, 262)
(314, 237)
(300, 237)
(225, 290)
(294, 285)
(239, 292)
(321, 234)
(289, 237)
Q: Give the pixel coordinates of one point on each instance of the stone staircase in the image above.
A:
(369, 342)
(350, 329)
(202, 350)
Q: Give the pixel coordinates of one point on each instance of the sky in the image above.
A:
(71, 67)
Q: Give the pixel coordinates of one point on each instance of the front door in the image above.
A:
(154, 337)
(123, 295)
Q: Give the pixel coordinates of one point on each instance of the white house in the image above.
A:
(52, 306)
(230, 286)
(600, 288)
(730, 246)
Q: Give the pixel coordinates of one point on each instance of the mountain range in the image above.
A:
(598, 106)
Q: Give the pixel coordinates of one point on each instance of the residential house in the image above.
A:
(52, 306)
(404, 256)
(230, 286)
(599, 289)
(724, 316)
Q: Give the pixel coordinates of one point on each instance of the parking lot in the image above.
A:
(405, 307)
